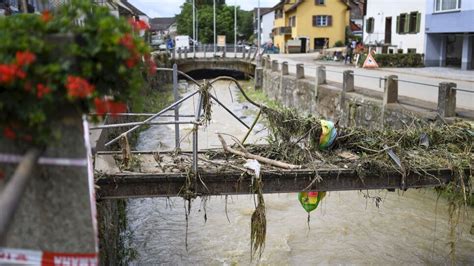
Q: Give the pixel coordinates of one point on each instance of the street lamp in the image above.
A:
(258, 34)
(194, 28)
(215, 37)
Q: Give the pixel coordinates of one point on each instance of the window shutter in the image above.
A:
(314, 21)
(367, 25)
(398, 24)
(329, 20)
(407, 23)
(372, 26)
(418, 22)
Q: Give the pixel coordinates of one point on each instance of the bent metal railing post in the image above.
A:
(11, 195)
(176, 98)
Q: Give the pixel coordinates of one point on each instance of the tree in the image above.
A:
(224, 21)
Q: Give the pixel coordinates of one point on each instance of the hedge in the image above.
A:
(396, 60)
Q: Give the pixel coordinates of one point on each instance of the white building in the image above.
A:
(395, 26)
(267, 16)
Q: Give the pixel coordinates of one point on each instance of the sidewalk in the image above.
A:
(447, 73)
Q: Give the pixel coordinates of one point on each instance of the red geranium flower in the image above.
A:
(25, 58)
(19, 73)
(46, 16)
(42, 90)
(138, 24)
(152, 67)
(107, 106)
(127, 41)
(78, 87)
(9, 133)
(7, 73)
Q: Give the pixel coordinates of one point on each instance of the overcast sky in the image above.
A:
(169, 8)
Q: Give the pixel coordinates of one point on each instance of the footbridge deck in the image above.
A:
(163, 175)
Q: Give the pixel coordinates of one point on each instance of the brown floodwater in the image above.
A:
(348, 228)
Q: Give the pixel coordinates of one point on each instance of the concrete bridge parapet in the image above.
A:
(345, 102)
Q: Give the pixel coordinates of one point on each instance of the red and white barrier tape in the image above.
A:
(12, 256)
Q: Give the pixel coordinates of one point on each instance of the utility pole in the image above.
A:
(194, 28)
(235, 28)
(258, 35)
(215, 36)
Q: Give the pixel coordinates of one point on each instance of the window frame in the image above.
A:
(318, 2)
(457, 8)
(369, 28)
(327, 19)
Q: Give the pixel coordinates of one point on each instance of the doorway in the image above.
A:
(303, 45)
(454, 50)
(388, 30)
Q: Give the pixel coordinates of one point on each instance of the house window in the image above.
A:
(319, 2)
(321, 43)
(408, 23)
(292, 21)
(402, 23)
(278, 13)
(411, 50)
(322, 21)
(447, 5)
(369, 28)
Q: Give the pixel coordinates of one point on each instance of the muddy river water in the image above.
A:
(348, 228)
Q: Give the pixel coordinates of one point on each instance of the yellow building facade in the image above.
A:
(313, 24)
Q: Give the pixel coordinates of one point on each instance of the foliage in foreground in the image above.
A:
(77, 59)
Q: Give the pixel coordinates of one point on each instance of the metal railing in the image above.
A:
(198, 115)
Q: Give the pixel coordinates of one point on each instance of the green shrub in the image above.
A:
(396, 60)
(339, 44)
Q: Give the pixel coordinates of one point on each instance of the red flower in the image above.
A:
(107, 106)
(25, 58)
(7, 73)
(127, 41)
(131, 62)
(9, 133)
(79, 87)
(20, 73)
(152, 67)
(42, 90)
(138, 24)
(2, 175)
(46, 16)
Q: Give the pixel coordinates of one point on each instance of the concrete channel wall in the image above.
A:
(344, 102)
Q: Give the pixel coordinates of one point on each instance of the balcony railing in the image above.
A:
(281, 31)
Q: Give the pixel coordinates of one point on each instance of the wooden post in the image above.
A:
(447, 99)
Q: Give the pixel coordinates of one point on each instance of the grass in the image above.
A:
(257, 95)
